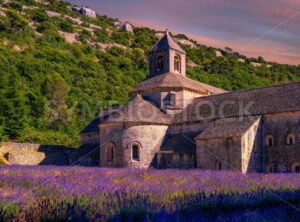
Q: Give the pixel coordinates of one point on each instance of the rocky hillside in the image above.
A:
(59, 68)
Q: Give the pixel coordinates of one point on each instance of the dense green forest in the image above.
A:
(51, 88)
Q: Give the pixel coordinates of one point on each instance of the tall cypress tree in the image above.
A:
(14, 108)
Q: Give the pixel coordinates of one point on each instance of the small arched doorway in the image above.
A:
(218, 165)
(270, 168)
(110, 153)
(296, 167)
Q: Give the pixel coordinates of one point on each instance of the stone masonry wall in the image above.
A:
(250, 147)
(219, 154)
(148, 138)
(281, 157)
(123, 136)
(110, 135)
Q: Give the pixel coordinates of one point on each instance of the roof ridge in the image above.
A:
(251, 89)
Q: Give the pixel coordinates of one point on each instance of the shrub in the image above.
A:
(15, 5)
(121, 37)
(101, 35)
(4, 23)
(65, 26)
(39, 16)
(17, 22)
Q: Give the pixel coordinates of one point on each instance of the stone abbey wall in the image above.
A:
(252, 157)
(183, 160)
(219, 154)
(123, 137)
(281, 156)
(149, 140)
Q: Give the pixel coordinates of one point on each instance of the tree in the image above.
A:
(260, 59)
(57, 90)
(13, 108)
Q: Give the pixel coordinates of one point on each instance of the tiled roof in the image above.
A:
(183, 142)
(167, 42)
(265, 100)
(92, 126)
(234, 127)
(138, 110)
(173, 80)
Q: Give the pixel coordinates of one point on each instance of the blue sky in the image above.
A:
(268, 28)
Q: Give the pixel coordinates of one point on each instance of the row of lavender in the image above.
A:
(94, 194)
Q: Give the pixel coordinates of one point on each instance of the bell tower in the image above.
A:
(167, 57)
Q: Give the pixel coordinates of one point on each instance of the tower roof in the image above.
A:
(167, 42)
(173, 80)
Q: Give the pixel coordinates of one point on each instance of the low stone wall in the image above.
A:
(8, 146)
(37, 154)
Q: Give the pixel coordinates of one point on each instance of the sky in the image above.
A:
(267, 28)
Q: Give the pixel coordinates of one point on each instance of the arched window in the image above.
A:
(269, 140)
(135, 152)
(159, 63)
(110, 153)
(290, 139)
(177, 63)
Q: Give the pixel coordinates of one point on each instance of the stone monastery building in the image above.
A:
(173, 121)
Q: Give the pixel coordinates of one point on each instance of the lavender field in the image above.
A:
(94, 194)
